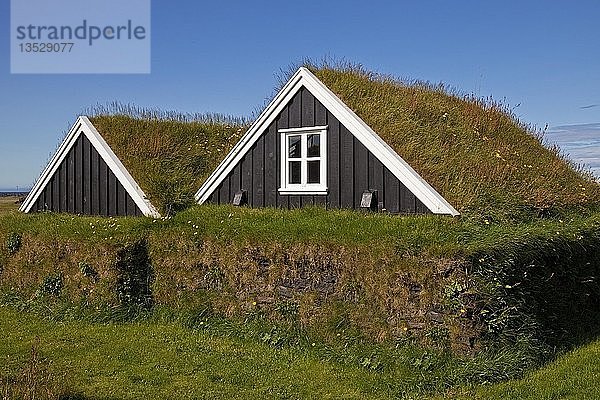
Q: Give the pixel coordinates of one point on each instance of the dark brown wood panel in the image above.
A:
(407, 200)
(376, 175)
(295, 113)
(346, 168)
(333, 161)
(87, 174)
(235, 181)
(320, 201)
(55, 193)
(224, 192)
(271, 167)
(246, 172)
(79, 175)
(47, 198)
(392, 192)
(121, 200)
(62, 177)
(95, 183)
(131, 206)
(295, 202)
(320, 114)
(307, 108)
(361, 170)
(282, 122)
(351, 168)
(71, 182)
(421, 208)
(112, 193)
(257, 190)
(81, 183)
(103, 192)
(307, 201)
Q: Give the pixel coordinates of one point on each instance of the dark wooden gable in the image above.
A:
(351, 168)
(83, 184)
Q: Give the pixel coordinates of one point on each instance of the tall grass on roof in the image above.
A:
(169, 155)
(475, 152)
(151, 114)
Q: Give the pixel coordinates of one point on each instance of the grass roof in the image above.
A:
(476, 153)
(169, 158)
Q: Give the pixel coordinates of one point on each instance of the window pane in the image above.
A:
(314, 145)
(314, 172)
(294, 150)
(295, 174)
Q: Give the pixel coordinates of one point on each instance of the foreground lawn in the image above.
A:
(575, 375)
(166, 360)
(147, 360)
(132, 361)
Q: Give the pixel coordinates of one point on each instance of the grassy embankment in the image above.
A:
(459, 301)
(158, 359)
(349, 323)
(162, 360)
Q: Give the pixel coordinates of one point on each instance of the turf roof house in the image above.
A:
(308, 148)
(86, 177)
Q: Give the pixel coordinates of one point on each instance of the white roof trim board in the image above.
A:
(380, 149)
(84, 126)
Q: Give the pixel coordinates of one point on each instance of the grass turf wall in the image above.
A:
(472, 287)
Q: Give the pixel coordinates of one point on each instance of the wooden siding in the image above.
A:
(83, 184)
(351, 168)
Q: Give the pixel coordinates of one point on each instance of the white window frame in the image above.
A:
(303, 188)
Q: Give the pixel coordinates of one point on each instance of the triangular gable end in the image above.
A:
(357, 127)
(83, 126)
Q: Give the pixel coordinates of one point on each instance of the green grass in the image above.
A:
(526, 241)
(575, 375)
(156, 357)
(475, 152)
(438, 235)
(483, 276)
(131, 361)
(159, 359)
(8, 204)
(169, 159)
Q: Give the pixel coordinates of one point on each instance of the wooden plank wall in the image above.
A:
(83, 184)
(351, 168)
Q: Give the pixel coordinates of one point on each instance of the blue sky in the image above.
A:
(222, 57)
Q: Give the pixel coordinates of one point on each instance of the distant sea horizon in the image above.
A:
(15, 190)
